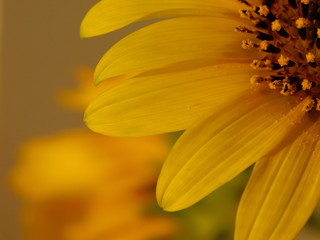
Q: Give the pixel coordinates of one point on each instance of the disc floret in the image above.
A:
(286, 36)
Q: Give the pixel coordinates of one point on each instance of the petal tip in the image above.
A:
(170, 207)
(167, 204)
(97, 78)
(97, 81)
(83, 34)
(87, 119)
(84, 30)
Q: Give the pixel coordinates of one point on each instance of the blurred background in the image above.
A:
(59, 180)
(40, 50)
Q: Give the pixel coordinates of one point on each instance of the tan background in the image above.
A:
(40, 50)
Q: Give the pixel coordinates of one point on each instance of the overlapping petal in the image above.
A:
(224, 144)
(170, 42)
(282, 192)
(110, 15)
(165, 102)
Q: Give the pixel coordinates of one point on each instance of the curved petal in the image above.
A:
(166, 102)
(169, 42)
(224, 144)
(110, 15)
(282, 192)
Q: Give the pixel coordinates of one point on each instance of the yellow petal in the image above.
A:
(169, 42)
(165, 102)
(282, 192)
(109, 15)
(223, 145)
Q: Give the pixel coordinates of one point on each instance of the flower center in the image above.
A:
(287, 35)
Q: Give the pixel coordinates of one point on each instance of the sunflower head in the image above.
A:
(285, 35)
(191, 70)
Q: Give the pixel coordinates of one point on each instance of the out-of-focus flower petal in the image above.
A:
(79, 161)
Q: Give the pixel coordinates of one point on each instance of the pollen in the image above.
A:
(263, 10)
(276, 26)
(306, 84)
(256, 79)
(264, 45)
(248, 44)
(261, 64)
(275, 84)
(302, 23)
(309, 105)
(305, 1)
(286, 38)
(283, 61)
(310, 57)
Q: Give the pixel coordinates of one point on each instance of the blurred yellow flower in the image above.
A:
(78, 97)
(190, 72)
(79, 185)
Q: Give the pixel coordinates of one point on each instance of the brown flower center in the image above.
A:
(287, 39)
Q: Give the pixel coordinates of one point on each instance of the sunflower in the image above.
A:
(78, 185)
(241, 78)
